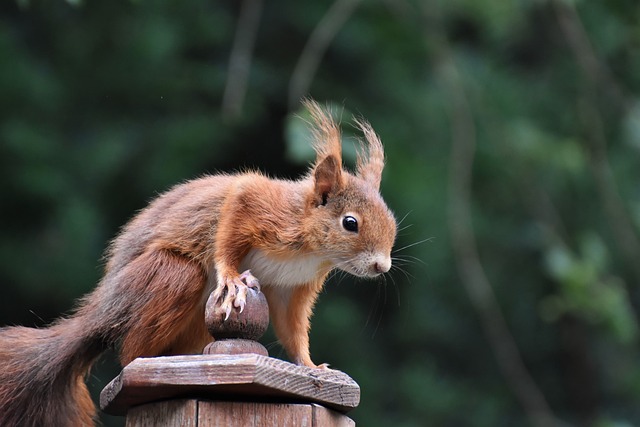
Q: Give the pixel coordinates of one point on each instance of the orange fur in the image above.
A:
(171, 322)
(290, 311)
(188, 241)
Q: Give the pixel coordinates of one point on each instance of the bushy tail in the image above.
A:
(42, 375)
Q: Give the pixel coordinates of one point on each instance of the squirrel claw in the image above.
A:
(227, 312)
(236, 292)
(241, 298)
(249, 280)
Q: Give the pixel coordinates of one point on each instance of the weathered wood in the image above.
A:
(249, 324)
(323, 417)
(235, 346)
(238, 334)
(205, 413)
(183, 413)
(225, 376)
(231, 414)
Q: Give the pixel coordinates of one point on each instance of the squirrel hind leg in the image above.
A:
(85, 413)
(167, 311)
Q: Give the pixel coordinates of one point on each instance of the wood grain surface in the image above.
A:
(227, 377)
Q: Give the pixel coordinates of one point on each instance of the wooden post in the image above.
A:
(234, 383)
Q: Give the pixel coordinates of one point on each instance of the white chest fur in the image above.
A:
(275, 272)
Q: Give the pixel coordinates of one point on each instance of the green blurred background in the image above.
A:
(512, 130)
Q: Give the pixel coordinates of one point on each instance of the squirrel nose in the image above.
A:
(382, 265)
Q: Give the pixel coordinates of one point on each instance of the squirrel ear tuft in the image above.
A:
(370, 160)
(325, 132)
(327, 179)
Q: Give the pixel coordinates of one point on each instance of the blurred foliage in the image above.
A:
(105, 104)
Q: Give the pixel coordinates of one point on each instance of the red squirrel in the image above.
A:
(220, 233)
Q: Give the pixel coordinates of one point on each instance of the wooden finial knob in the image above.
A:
(238, 333)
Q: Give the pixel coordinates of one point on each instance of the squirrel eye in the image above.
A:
(350, 223)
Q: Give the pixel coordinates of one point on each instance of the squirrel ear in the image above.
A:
(370, 160)
(327, 179)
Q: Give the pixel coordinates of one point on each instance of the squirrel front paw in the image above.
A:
(236, 288)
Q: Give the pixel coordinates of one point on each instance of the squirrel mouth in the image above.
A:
(358, 271)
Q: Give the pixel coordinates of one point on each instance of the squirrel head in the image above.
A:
(347, 220)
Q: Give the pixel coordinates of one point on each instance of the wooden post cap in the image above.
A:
(227, 377)
(250, 324)
(238, 333)
(234, 368)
